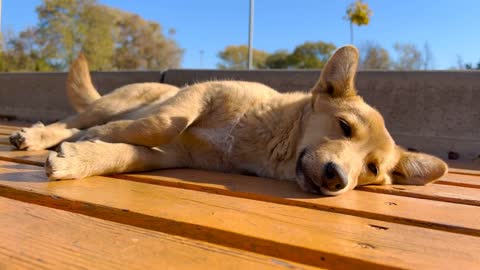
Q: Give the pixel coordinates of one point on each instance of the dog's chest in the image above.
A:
(221, 139)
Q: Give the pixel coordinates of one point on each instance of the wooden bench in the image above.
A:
(190, 219)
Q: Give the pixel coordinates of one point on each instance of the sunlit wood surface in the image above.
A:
(190, 219)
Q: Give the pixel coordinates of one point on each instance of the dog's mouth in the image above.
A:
(333, 180)
(303, 179)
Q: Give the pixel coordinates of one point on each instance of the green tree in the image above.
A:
(140, 44)
(358, 13)
(20, 53)
(311, 55)
(470, 66)
(235, 57)
(372, 56)
(110, 38)
(278, 60)
(409, 57)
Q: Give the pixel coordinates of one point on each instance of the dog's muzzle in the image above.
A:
(333, 179)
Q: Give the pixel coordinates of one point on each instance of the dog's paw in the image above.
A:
(29, 138)
(68, 162)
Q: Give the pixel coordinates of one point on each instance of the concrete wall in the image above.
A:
(436, 112)
(42, 96)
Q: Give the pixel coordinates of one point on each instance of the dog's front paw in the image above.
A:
(68, 162)
(29, 138)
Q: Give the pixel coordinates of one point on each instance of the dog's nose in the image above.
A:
(334, 178)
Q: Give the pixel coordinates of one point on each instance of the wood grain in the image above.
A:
(37, 237)
(461, 180)
(297, 234)
(445, 193)
(399, 209)
(385, 207)
(4, 141)
(8, 153)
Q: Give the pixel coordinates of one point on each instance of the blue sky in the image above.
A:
(451, 28)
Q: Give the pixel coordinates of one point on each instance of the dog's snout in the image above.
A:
(330, 170)
(334, 178)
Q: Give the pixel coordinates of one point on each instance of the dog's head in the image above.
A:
(345, 142)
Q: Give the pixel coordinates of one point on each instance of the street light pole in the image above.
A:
(1, 18)
(250, 37)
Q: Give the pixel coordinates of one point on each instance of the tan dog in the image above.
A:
(328, 140)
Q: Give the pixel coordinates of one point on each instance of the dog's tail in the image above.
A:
(80, 90)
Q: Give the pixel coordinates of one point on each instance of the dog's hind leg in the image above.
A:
(122, 102)
(163, 123)
(88, 158)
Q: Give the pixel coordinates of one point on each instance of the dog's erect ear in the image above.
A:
(337, 77)
(417, 169)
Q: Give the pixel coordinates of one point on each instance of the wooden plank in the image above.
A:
(445, 193)
(4, 141)
(297, 234)
(464, 171)
(37, 158)
(37, 237)
(13, 125)
(391, 208)
(405, 210)
(461, 180)
(5, 132)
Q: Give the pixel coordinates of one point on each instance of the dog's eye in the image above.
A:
(347, 130)
(373, 168)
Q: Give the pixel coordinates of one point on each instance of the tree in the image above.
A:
(235, 57)
(279, 59)
(358, 13)
(62, 29)
(372, 56)
(470, 66)
(20, 53)
(427, 57)
(409, 57)
(311, 54)
(140, 44)
(110, 38)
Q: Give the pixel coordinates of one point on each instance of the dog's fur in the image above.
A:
(328, 140)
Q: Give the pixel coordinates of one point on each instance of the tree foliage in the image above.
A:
(311, 54)
(306, 55)
(110, 39)
(372, 56)
(409, 56)
(314, 55)
(358, 13)
(278, 60)
(236, 57)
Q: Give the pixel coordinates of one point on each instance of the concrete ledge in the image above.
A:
(42, 96)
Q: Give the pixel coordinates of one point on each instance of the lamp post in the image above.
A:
(250, 37)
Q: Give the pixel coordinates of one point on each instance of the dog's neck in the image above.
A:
(282, 147)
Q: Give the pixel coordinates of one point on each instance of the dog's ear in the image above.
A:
(337, 77)
(417, 168)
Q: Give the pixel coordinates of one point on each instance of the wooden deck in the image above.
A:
(189, 219)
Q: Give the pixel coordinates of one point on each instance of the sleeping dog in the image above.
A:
(328, 140)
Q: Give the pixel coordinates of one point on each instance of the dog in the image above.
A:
(328, 140)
